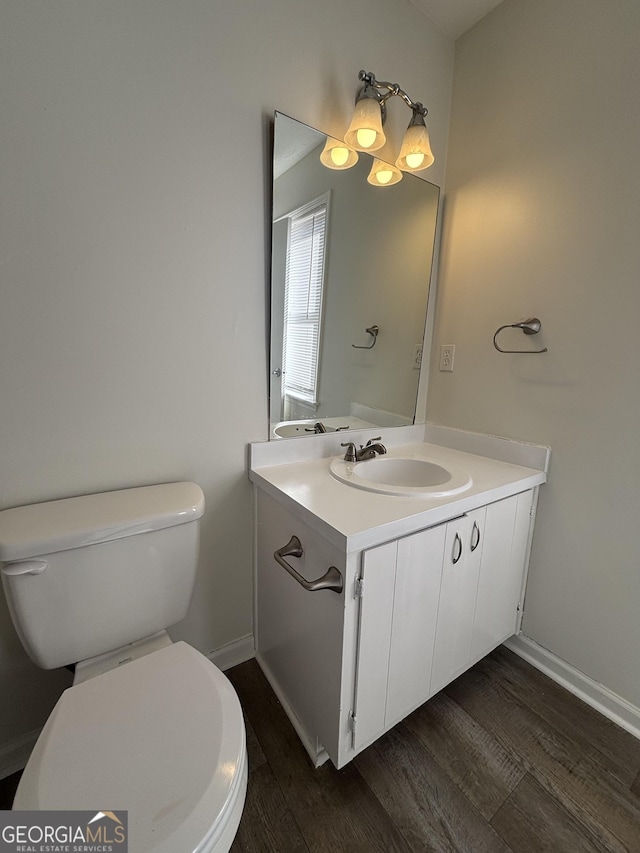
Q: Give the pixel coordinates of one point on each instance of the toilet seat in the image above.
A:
(162, 737)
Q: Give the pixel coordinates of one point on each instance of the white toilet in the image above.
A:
(149, 726)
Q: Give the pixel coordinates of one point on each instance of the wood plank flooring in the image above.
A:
(502, 760)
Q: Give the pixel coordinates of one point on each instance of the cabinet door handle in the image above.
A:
(475, 536)
(457, 546)
(331, 579)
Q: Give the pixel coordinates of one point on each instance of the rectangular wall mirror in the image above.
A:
(350, 274)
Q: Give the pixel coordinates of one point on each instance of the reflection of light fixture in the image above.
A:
(338, 155)
(383, 174)
(365, 133)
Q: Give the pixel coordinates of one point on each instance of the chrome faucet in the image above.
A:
(370, 449)
(350, 455)
(367, 452)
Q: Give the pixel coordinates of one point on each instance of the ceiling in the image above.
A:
(455, 17)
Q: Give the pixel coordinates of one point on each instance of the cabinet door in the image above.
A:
(504, 553)
(415, 608)
(374, 639)
(460, 570)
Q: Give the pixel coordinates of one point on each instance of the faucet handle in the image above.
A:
(371, 440)
(350, 455)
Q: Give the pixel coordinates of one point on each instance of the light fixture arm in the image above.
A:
(368, 78)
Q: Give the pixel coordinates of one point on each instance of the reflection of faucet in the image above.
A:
(367, 452)
(317, 428)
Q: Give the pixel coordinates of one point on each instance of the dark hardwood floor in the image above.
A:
(502, 760)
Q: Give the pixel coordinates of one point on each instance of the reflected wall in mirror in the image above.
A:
(346, 257)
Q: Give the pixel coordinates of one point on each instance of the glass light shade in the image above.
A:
(415, 153)
(338, 155)
(365, 131)
(383, 174)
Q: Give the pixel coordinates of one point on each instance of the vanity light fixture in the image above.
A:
(365, 133)
(415, 153)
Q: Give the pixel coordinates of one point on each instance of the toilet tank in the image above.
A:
(86, 575)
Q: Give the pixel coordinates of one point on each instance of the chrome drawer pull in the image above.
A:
(456, 542)
(475, 536)
(332, 579)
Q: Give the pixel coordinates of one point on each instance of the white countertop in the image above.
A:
(353, 519)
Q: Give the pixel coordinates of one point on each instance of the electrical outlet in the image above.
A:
(417, 357)
(447, 353)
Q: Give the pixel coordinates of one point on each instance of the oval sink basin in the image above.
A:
(390, 475)
(402, 472)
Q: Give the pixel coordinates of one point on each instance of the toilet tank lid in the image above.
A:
(44, 528)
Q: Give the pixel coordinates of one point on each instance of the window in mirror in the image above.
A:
(303, 297)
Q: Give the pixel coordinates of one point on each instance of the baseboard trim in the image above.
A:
(609, 704)
(233, 653)
(15, 754)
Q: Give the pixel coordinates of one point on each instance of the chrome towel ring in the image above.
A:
(373, 331)
(530, 327)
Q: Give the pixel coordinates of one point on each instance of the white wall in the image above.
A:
(542, 212)
(135, 194)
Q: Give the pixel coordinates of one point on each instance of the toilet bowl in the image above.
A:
(144, 738)
(150, 727)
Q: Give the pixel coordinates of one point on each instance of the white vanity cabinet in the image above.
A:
(458, 590)
(482, 584)
(304, 642)
(432, 604)
(397, 626)
(414, 613)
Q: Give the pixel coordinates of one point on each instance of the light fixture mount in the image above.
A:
(382, 91)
